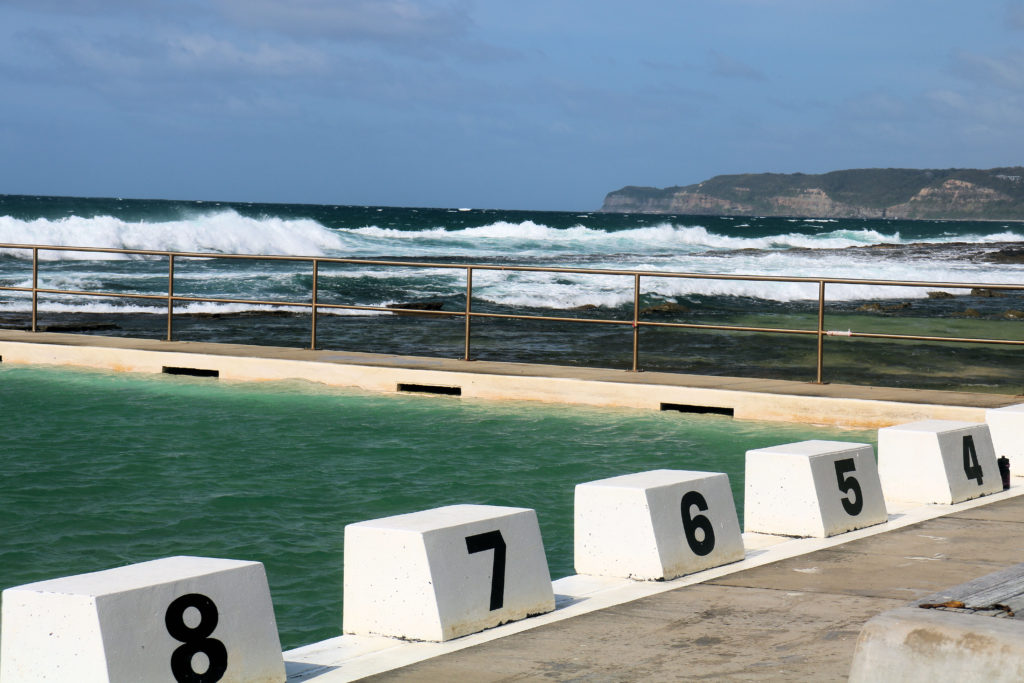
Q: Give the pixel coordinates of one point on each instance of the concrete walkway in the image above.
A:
(743, 397)
(792, 620)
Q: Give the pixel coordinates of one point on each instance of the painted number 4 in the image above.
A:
(971, 466)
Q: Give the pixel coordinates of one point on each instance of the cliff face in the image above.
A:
(868, 193)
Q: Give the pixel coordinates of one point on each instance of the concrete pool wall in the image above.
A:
(743, 398)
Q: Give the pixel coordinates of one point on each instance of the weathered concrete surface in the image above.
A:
(748, 398)
(921, 646)
(793, 620)
(972, 632)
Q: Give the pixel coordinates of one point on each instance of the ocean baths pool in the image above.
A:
(106, 469)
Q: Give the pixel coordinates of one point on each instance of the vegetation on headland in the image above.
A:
(949, 194)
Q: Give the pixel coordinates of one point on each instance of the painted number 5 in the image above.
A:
(849, 484)
(706, 544)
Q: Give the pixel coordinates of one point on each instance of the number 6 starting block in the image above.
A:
(176, 619)
(443, 573)
(656, 525)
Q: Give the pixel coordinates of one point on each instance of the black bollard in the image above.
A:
(1004, 471)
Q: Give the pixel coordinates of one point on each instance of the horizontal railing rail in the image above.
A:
(315, 305)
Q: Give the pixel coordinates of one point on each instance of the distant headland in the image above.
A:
(949, 194)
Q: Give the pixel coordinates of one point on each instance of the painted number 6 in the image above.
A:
(690, 524)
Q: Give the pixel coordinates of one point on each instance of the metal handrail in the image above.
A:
(315, 305)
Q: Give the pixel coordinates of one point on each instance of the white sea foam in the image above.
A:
(224, 232)
(662, 247)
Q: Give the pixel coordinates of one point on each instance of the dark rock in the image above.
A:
(939, 295)
(667, 308)
(876, 307)
(242, 314)
(987, 293)
(1008, 255)
(969, 313)
(1014, 314)
(417, 306)
(79, 327)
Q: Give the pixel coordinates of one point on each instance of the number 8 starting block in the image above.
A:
(176, 619)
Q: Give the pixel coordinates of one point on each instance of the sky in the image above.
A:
(532, 104)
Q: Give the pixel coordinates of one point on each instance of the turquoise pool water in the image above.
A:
(103, 469)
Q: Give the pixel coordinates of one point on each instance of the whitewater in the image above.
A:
(886, 250)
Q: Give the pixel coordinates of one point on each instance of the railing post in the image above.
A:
(35, 286)
(316, 272)
(636, 320)
(469, 309)
(821, 328)
(170, 297)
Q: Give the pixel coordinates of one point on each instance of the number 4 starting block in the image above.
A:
(937, 461)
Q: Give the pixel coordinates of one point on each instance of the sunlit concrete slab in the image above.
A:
(796, 619)
(744, 398)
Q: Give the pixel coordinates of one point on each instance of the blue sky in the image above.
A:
(528, 104)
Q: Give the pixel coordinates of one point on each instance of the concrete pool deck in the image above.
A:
(795, 619)
(743, 397)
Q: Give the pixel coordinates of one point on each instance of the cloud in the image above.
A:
(81, 7)
(729, 67)
(1015, 15)
(1005, 71)
(201, 52)
(374, 20)
(162, 57)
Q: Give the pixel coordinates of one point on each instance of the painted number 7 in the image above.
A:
(849, 484)
(492, 540)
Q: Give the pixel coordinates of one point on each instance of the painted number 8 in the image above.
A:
(691, 524)
(196, 639)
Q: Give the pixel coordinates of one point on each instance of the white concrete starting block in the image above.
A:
(812, 488)
(937, 461)
(175, 619)
(1007, 428)
(444, 573)
(656, 525)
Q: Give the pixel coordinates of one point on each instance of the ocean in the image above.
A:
(974, 252)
